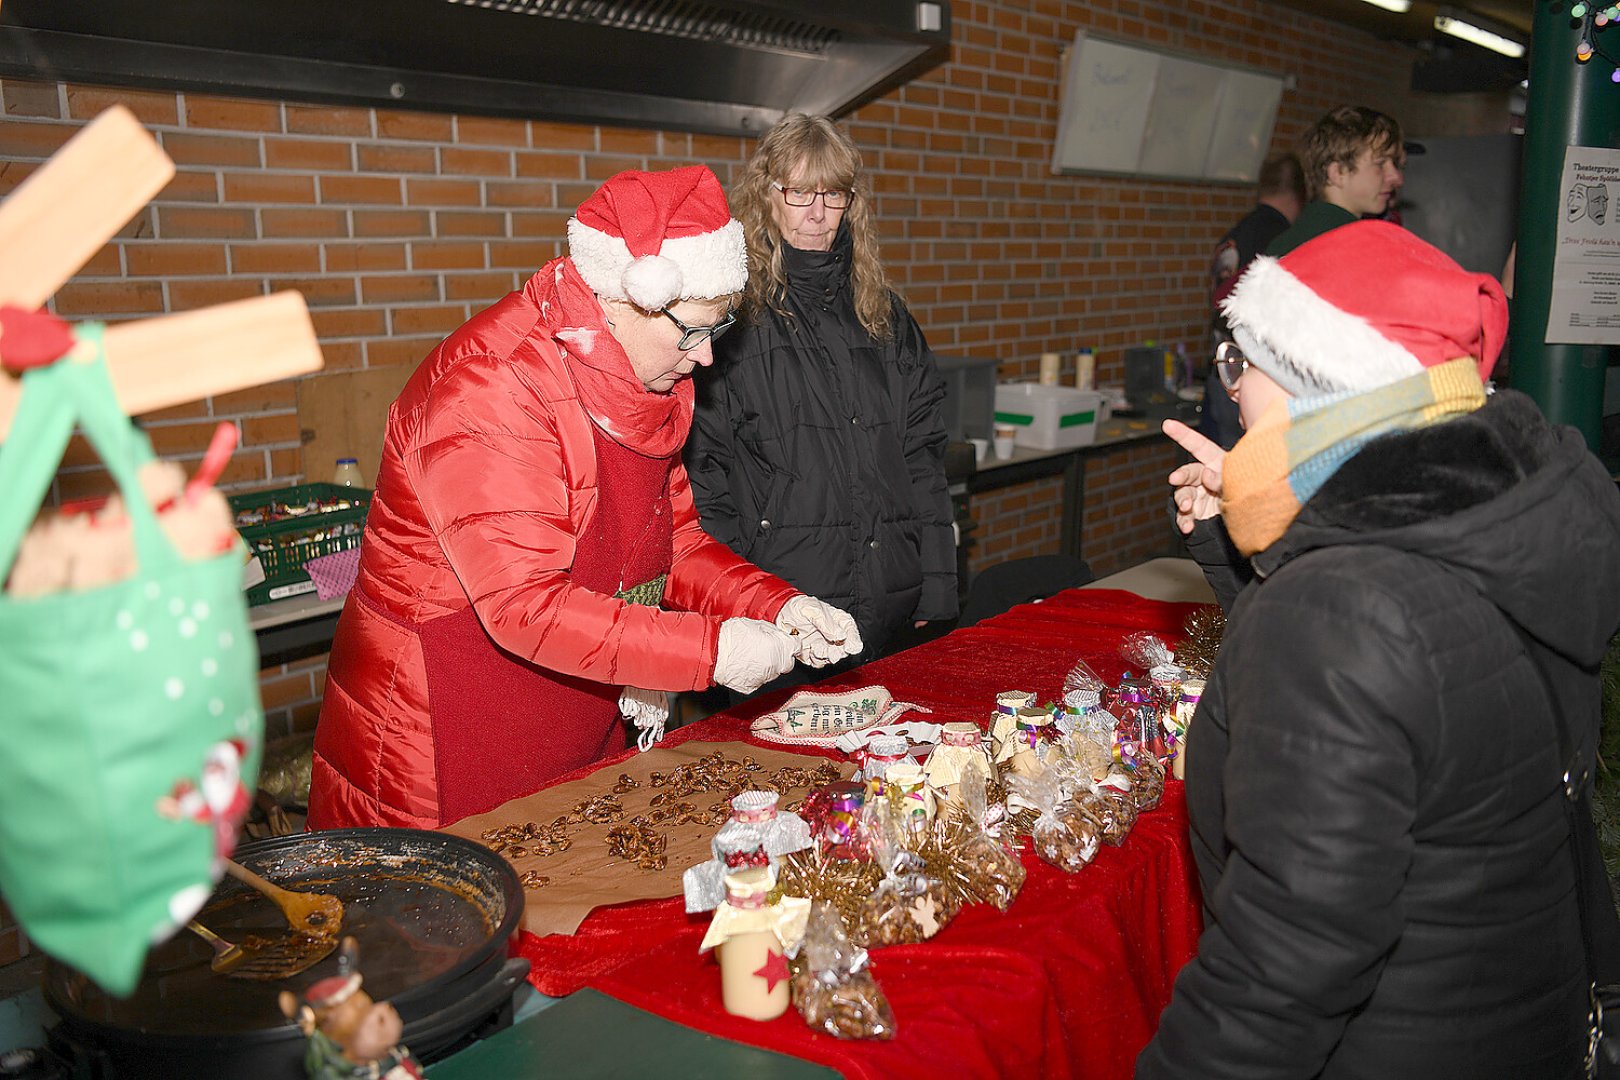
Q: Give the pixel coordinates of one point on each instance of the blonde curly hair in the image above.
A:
(810, 151)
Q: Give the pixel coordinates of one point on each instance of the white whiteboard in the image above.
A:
(1131, 110)
(1107, 89)
(1243, 128)
(1186, 98)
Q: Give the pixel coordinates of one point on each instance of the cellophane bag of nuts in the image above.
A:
(1062, 835)
(1147, 783)
(991, 862)
(833, 989)
(1109, 803)
(907, 906)
(1086, 756)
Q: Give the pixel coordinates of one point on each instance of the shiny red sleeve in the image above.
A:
(708, 576)
(491, 472)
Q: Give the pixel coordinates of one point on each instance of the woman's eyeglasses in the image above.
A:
(693, 336)
(837, 199)
(1230, 364)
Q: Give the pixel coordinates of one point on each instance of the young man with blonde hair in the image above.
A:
(1353, 158)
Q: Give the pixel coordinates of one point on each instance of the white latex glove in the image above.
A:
(648, 710)
(751, 653)
(822, 633)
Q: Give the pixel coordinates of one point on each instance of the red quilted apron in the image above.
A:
(502, 726)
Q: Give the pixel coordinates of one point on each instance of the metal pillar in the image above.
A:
(1570, 104)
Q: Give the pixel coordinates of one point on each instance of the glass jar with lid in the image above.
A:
(347, 473)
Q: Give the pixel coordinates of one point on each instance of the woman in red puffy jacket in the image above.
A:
(532, 550)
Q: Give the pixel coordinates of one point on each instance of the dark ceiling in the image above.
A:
(1448, 65)
(1415, 26)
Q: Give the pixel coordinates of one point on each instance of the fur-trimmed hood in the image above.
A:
(1500, 497)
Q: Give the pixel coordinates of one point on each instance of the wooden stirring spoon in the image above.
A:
(316, 914)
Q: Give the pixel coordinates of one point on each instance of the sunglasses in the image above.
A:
(693, 336)
(1230, 364)
(837, 199)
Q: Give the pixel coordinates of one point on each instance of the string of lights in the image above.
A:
(1594, 18)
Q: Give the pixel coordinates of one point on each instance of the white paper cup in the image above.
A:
(1005, 434)
(981, 450)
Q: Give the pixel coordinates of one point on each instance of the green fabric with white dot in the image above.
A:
(112, 700)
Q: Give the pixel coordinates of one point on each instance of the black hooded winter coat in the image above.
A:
(1373, 778)
(817, 453)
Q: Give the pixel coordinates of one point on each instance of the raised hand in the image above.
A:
(1197, 484)
(823, 634)
(750, 654)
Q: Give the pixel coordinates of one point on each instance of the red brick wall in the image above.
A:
(1125, 517)
(397, 226)
(1015, 522)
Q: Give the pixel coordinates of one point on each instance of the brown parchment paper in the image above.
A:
(586, 876)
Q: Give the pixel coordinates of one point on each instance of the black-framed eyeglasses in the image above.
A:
(837, 199)
(1230, 364)
(693, 336)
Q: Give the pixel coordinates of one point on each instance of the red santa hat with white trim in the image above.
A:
(655, 238)
(1362, 306)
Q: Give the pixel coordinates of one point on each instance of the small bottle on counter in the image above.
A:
(1191, 691)
(1085, 369)
(1034, 727)
(1051, 368)
(1136, 705)
(907, 789)
(347, 473)
(753, 964)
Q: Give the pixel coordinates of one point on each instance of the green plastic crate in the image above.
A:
(285, 544)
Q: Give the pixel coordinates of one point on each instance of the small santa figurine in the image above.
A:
(350, 1036)
(220, 801)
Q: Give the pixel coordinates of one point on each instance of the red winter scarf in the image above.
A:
(649, 423)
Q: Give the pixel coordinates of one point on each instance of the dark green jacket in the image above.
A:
(1317, 218)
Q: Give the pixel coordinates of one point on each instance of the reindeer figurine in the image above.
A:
(350, 1036)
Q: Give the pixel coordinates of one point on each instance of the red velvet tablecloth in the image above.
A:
(1069, 982)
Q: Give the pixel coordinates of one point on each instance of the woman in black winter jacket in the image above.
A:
(817, 450)
(1374, 774)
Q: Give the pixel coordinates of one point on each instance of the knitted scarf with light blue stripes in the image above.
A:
(1297, 445)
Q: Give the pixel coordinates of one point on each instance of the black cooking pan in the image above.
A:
(433, 914)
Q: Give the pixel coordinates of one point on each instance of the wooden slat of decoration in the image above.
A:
(75, 203)
(71, 206)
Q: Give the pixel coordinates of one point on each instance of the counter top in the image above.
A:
(295, 628)
(293, 609)
(1111, 432)
(1172, 580)
(589, 1034)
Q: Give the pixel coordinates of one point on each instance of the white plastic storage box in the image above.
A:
(1049, 417)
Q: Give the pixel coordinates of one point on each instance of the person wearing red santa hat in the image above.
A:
(1391, 856)
(532, 566)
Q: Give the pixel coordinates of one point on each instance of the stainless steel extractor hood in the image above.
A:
(727, 67)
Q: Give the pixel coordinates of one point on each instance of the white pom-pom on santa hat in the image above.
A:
(655, 238)
(652, 282)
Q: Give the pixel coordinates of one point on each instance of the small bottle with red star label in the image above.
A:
(753, 941)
